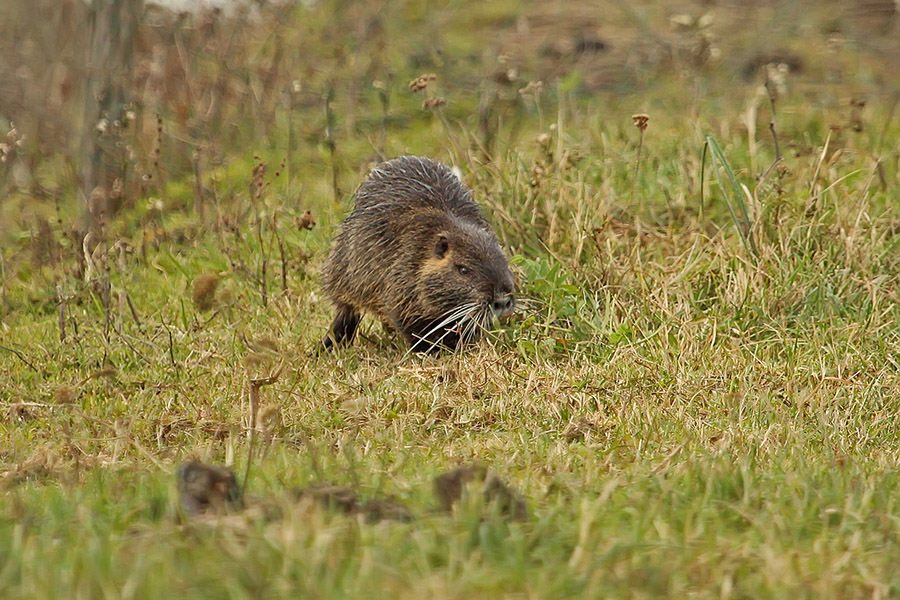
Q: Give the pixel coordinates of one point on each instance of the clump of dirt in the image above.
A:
(332, 497)
(206, 489)
(345, 500)
(449, 488)
(213, 490)
(386, 509)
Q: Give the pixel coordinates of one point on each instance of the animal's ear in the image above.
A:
(442, 246)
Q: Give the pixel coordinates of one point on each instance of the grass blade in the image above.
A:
(737, 207)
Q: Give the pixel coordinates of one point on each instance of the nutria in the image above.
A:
(417, 253)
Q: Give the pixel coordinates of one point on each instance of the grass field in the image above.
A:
(697, 398)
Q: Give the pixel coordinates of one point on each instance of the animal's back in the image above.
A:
(413, 182)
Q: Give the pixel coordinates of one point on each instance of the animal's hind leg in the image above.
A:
(343, 328)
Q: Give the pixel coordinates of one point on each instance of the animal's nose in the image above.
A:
(504, 303)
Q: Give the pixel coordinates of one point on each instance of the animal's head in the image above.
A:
(465, 280)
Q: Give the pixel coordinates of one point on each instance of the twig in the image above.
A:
(62, 312)
(171, 347)
(264, 285)
(39, 405)
(294, 89)
(812, 184)
(330, 141)
(255, 384)
(259, 172)
(198, 184)
(777, 160)
(772, 122)
(640, 121)
(281, 252)
(487, 102)
(133, 349)
(887, 122)
(106, 290)
(133, 312)
(119, 318)
(20, 357)
(384, 100)
(146, 453)
(4, 298)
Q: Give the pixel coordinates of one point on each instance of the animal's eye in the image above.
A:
(463, 270)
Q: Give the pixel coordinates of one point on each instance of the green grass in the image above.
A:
(698, 397)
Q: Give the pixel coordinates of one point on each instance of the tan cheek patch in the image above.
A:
(434, 265)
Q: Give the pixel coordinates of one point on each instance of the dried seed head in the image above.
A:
(307, 221)
(640, 121)
(533, 87)
(203, 292)
(421, 82)
(432, 103)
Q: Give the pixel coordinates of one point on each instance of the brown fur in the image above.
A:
(414, 250)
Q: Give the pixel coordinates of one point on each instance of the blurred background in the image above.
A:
(139, 107)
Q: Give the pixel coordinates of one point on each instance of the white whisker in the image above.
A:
(458, 313)
(466, 332)
(437, 342)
